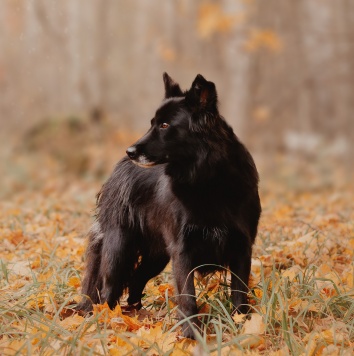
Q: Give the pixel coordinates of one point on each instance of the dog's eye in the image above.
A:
(164, 126)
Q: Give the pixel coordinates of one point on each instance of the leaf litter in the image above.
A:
(301, 287)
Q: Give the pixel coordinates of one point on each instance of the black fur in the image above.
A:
(189, 192)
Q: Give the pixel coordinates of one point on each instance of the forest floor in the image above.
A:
(301, 287)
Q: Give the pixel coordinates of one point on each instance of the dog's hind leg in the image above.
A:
(91, 284)
(149, 267)
(240, 268)
(117, 263)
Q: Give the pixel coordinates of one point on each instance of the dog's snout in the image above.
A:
(131, 152)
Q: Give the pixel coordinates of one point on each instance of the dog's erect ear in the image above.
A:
(202, 95)
(172, 89)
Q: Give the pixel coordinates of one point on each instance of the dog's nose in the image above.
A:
(131, 152)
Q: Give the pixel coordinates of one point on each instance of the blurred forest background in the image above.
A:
(77, 73)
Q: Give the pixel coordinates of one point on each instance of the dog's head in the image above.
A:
(180, 117)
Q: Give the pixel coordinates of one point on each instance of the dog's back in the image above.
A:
(188, 192)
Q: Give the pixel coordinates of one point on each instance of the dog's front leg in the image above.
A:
(184, 276)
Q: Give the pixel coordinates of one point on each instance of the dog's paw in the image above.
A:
(84, 307)
(189, 333)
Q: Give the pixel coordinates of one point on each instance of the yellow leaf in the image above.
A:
(11, 347)
(291, 272)
(334, 337)
(329, 336)
(16, 237)
(74, 282)
(258, 293)
(295, 305)
(323, 270)
(351, 243)
(118, 324)
(121, 346)
(255, 325)
(132, 323)
(252, 341)
(104, 311)
(238, 318)
(349, 278)
(106, 314)
(163, 287)
(40, 300)
(306, 239)
(36, 263)
(185, 347)
(72, 322)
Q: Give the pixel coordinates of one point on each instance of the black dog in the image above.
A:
(188, 190)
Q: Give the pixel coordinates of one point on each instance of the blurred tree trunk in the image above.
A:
(306, 88)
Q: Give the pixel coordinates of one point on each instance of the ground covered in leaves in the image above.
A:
(301, 288)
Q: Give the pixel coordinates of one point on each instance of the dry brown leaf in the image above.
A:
(255, 325)
(72, 322)
(239, 318)
(252, 341)
(74, 282)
